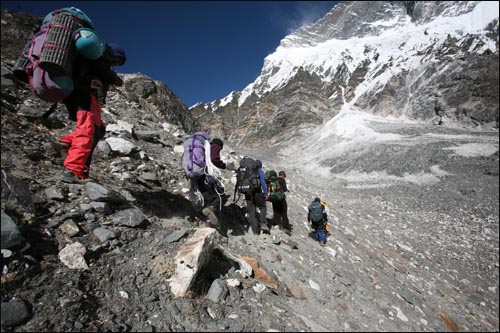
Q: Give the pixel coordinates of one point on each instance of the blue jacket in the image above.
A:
(262, 181)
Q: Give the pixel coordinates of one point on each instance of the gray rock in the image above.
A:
(132, 217)
(14, 313)
(31, 112)
(104, 234)
(101, 207)
(97, 192)
(54, 193)
(16, 194)
(104, 147)
(174, 237)
(122, 146)
(11, 236)
(70, 228)
(218, 291)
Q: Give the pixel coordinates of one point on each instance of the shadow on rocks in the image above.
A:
(164, 204)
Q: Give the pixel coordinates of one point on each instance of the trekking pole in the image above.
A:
(49, 111)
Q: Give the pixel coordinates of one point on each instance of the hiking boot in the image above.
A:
(68, 176)
(264, 229)
(212, 217)
(322, 244)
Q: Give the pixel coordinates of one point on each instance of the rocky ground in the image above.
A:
(414, 248)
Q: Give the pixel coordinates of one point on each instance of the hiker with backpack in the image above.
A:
(201, 162)
(92, 80)
(250, 181)
(65, 60)
(317, 217)
(282, 207)
(277, 198)
(213, 191)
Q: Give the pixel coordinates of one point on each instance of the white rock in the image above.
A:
(6, 253)
(72, 256)
(179, 149)
(314, 285)
(259, 288)
(233, 283)
(191, 257)
(331, 251)
(400, 314)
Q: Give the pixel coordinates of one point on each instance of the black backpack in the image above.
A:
(247, 177)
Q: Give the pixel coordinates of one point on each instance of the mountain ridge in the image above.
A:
(390, 63)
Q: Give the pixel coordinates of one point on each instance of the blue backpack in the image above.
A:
(316, 212)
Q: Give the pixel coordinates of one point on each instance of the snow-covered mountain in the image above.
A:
(430, 61)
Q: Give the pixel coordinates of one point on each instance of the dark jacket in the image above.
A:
(282, 183)
(215, 156)
(84, 71)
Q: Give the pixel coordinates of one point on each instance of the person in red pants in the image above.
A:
(92, 80)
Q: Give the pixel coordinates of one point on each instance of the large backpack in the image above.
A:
(316, 212)
(46, 62)
(194, 156)
(247, 177)
(274, 189)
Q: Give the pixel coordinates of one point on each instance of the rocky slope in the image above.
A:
(413, 209)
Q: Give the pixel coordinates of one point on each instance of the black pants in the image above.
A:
(213, 195)
(254, 202)
(280, 214)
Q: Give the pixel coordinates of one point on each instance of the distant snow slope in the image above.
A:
(401, 40)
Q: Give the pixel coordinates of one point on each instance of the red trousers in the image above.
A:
(82, 140)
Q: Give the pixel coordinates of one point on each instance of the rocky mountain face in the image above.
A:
(435, 62)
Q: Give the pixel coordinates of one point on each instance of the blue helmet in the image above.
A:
(118, 51)
(88, 43)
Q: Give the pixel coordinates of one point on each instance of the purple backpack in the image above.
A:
(47, 59)
(193, 158)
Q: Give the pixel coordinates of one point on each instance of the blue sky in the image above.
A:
(202, 50)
